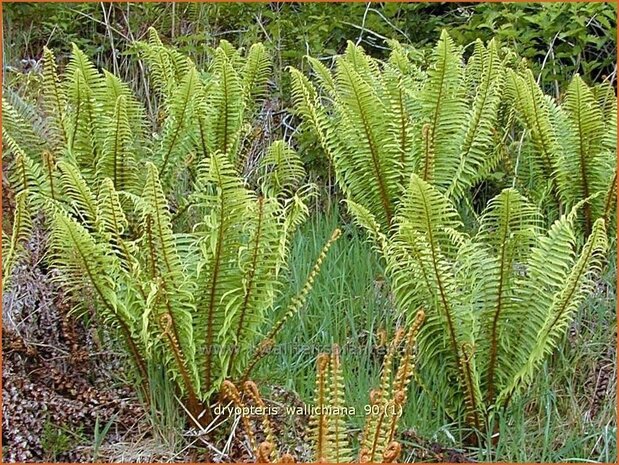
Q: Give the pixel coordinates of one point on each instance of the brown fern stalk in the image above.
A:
(374, 427)
(251, 390)
(322, 394)
(230, 393)
(167, 325)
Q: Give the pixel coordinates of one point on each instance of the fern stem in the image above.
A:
(498, 308)
(250, 279)
(194, 404)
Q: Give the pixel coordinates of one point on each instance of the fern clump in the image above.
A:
(381, 122)
(498, 300)
(187, 279)
(569, 147)
(410, 141)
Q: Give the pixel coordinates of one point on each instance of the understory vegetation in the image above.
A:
(330, 239)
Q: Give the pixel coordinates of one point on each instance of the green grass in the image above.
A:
(348, 305)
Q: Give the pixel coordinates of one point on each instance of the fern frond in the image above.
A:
(80, 62)
(113, 223)
(371, 151)
(281, 170)
(319, 422)
(424, 246)
(475, 159)
(54, 99)
(21, 125)
(535, 112)
(225, 104)
(117, 160)
(256, 71)
(84, 142)
(167, 66)
(509, 227)
(171, 301)
(547, 324)
(84, 264)
(323, 74)
(115, 88)
(583, 169)
(257, 262)
(443, 111)
(21, 232)
(79, 196)
(229, 203)
(178, 127)
(295, 305)
(24, 173)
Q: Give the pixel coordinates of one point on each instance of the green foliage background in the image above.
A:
(581, 36)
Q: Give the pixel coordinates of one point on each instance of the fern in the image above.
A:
(281, 169)
(54, 99)
(117, 161)
(225, 106)
(379, 123)
(488, 325)
(158, 230)
(13, 246)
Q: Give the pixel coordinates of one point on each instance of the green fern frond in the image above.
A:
(23, 126)
(509, 227)
(115, 88)
(170, 303)
(256, 71)
(475, 152)
(443, 110)
(84, 144)
(225, 106)
(281, 170)
(117, 161)
(114, 225)
(54, 99)
(323, 74)
(258, 261)
(553, 303)
(78, 194)
(167, 66)
(80, 62)
(371, 151)
(21, 232)
(178, 127)
(24, 173)
(583, 169)
(534, 110)
(228, 203)
(86, 265)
